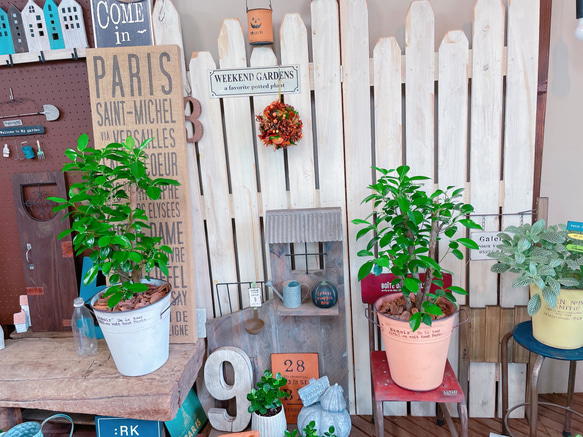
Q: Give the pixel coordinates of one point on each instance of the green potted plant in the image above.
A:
(403, 233)
(541, 258)
(267, 412)
(107, 221)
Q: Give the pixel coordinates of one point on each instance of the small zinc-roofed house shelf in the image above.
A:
(43, 56)
(305, 245)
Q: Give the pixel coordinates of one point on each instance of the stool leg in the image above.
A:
(570, 391)
(379, 420)
(504, 359)
(534, 394)
(463, 412)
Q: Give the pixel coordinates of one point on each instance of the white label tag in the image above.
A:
(9, 123)
(255, 297)
(488, 242)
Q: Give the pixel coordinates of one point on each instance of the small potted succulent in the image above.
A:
(268, 415)
(108, 223)
(403, 232)
(549, 261)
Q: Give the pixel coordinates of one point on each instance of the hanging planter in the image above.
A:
(259, 26)
(279, 125)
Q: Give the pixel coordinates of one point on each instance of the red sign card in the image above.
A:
(298, 369)
(373, 287)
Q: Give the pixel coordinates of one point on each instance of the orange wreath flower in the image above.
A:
(279, 125)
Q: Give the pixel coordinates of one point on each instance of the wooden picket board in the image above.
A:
(419, 105)
(517, 377)
(294, 51)
(328, 103)
(492, 329)
(419, 88)
(452, 112)
(482, 392)
(486, 138)
(213, 174)
(167, 30)
(358, 159)
(329, 137)
(521, 97)
(387, 104)
(240, 146)
(301, 170)
(388, 129)
(270, 162)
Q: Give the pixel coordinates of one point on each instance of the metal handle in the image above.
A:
(28, 249)
(367, 312)
(467, 318)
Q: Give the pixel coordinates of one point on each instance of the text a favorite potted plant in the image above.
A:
(550, 262)
(404, 230)
(267, 412)
(133, 312)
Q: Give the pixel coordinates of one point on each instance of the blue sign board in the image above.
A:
(189, 419)
(118, 427)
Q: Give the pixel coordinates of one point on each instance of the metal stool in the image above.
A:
(522, 334)
(385, 390)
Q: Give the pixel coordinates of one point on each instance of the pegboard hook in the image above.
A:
(41, 57)
(74, 54)
(10, 61)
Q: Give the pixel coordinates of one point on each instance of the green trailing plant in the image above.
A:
(106, 218)
(267, 396)
(404, 230)
(540, 256)
(310, 431)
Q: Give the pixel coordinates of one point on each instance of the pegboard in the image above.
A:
(59, 83)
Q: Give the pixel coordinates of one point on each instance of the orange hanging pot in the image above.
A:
(259, 25)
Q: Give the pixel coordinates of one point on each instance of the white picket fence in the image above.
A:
(457, 134)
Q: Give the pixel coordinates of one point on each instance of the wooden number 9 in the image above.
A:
(214, 380)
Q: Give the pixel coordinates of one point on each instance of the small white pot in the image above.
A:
(273, 426)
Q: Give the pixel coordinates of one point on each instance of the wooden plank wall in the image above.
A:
(349, 126)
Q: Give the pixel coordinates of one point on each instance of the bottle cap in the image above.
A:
(78, 302)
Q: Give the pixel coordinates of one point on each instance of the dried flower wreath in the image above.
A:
(279, 125)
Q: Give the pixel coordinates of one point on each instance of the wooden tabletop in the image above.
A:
(47, 373)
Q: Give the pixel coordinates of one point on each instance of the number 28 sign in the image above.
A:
(298, 369)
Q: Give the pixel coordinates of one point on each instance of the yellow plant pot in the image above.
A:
(561, 327)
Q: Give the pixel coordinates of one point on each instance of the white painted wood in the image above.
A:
(419, 103)
(419, 88)
(270, 162)
(294, 51)
(387, 104)
(73, 27)
(329, 136)
(520, 123)
(453, 134)
(517, 382)
(214, 380)
(167, 30)
(213, 173)
(388, 129)
(358, 160)
(35, 27)
(240, 146)
(486, 138)
(482, 395)
(328, 101)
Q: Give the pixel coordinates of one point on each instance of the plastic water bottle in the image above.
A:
(83, 329)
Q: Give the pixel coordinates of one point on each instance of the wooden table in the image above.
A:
(47, 373)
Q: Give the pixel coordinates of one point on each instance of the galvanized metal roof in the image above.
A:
(303, 225)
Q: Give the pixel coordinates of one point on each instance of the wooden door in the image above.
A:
(48, 263)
